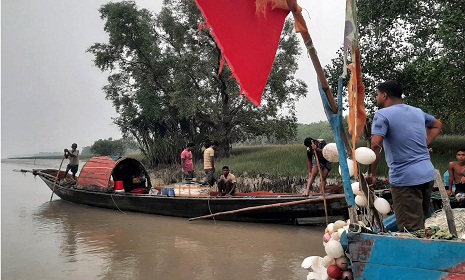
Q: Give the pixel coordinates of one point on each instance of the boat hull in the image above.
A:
(394, 257)
(190, 207)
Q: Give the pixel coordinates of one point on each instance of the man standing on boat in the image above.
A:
(315, 147)
(405, 133)
(209, 163)
(226, 183)
(187, 163)
(73, 157)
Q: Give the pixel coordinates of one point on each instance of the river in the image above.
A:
(62, 240)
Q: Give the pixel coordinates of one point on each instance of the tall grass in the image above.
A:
(283, 168)
(291, 159)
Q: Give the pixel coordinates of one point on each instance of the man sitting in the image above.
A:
(227, 183)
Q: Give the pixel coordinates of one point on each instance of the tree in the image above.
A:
(420, 44)
(165, 84)
(108, 147)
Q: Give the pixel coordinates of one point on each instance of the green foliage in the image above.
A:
(317, 130)
(165, 86)
(108, 147)
(420, 44)
(85, 151)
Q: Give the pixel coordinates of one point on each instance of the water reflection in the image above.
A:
(141, 246)
(62, 240)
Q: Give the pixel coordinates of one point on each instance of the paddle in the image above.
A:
(22, 170)
(56, 179)
(266, 206)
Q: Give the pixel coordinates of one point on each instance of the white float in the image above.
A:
(330, 152)
(356, 188)
(361, 200)
(338, 224)
(330, 227)
(382, 205)
(311, 261)
(350, 164)
(334, 249)
(365, 155)
(328, 260)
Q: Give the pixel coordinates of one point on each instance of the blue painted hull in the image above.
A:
(393, 257)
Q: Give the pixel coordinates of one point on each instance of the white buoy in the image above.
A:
(335, 236)
(311, 261)
(350, 164)
(356, 188)
(361, 200)
(334, 249)
(330, 152)
(338, 224)
(330, 228)
(382, 205)
(340, 231)
(365, 155)
(328, 260)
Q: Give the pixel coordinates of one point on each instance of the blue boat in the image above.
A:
(398, 257)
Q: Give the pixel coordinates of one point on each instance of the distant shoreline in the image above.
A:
(49, 157)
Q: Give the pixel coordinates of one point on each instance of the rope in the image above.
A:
(209, 209)
(115, 204)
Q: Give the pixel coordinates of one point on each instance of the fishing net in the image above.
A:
(439, 219)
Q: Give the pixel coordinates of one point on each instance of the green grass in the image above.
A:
(290, 160)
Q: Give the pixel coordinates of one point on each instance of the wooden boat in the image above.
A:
(95, 186)
(376, 256)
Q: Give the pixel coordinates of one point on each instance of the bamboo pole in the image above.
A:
(267, 206)
(445, 203)
(323, 189)
(56, 179)
(301, 27)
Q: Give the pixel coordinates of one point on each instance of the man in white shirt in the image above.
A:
(209, 163)
(73, 156)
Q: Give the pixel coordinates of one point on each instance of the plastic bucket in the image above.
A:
(119, 186)
(170, 191)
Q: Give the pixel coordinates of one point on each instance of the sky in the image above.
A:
(51, 94)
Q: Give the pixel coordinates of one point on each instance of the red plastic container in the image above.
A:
(119, 187)
(138, 190)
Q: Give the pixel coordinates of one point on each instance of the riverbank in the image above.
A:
(283, 168)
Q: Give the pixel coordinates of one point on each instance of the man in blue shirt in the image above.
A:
(405, 133)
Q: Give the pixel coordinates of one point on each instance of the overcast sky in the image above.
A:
(51, 94)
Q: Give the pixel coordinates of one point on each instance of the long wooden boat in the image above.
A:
(95, 186)
(376, 256)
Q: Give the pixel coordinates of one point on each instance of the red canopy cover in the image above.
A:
(97, 172)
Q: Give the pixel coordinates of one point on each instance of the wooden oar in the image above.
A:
(323, 189)
(445, 203)
(266, 206)
(56, 179)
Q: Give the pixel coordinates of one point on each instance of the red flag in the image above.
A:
(247, 38)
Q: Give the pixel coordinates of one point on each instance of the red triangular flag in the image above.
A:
(247, 39)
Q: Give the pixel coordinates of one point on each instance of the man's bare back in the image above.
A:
(457, 170)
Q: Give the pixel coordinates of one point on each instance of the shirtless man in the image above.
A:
(457, 175)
